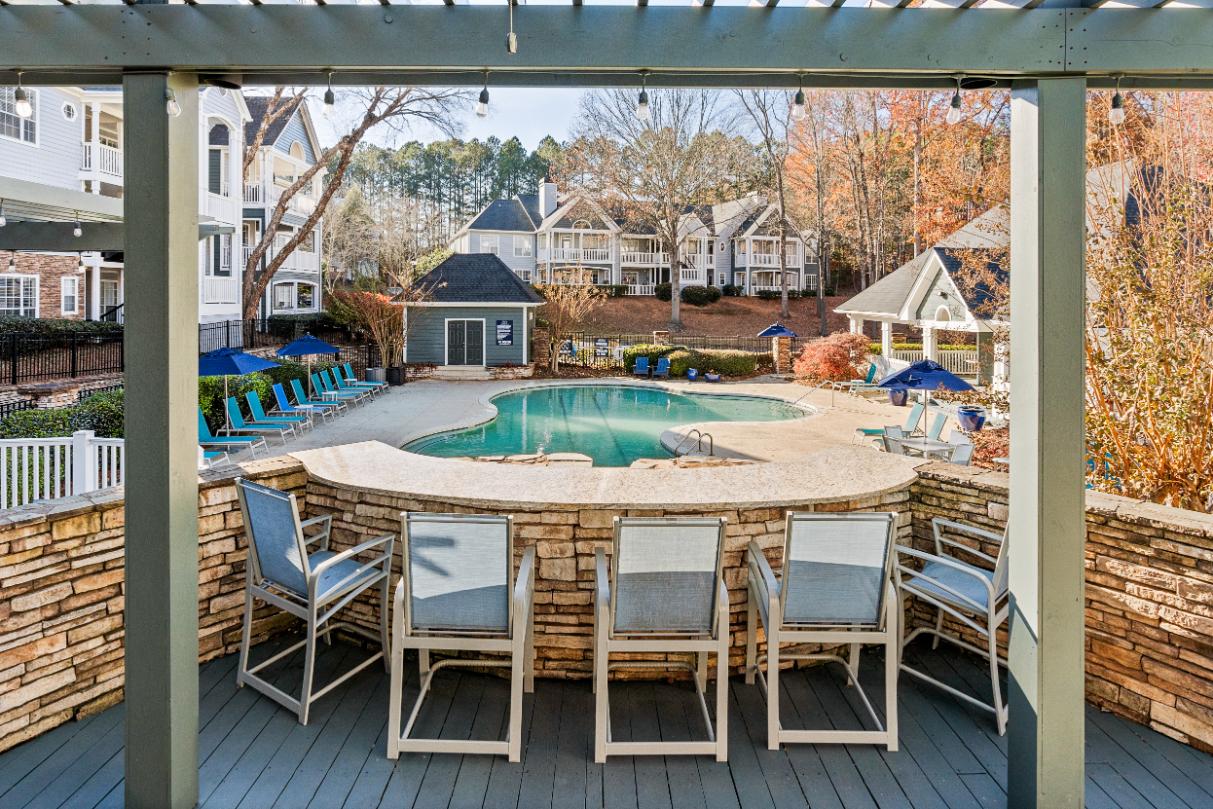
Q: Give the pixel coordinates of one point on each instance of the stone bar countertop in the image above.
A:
(830, 475)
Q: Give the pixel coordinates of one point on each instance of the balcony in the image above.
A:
(102, 162)
(641, 259)
(690, 275)
(221, 208)
(642, 289)
(253, 193)
(580, 255)
(219, 289)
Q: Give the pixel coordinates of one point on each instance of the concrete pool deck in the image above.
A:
(424, 407)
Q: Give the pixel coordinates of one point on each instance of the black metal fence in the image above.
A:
(15, 406)
(35, 357)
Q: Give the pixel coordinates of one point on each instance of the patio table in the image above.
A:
(926, 447)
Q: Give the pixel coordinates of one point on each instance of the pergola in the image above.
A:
(1049, 53)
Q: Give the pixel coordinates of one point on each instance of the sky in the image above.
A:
(528, 113)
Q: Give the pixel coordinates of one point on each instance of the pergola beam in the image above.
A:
(56, 237)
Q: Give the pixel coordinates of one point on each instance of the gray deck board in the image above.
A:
(254, 753)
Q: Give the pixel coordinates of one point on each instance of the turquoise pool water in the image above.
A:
(614, 425)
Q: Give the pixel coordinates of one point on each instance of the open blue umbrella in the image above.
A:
(307, 346)
(227, 362)
(776, 330)
(925, 375)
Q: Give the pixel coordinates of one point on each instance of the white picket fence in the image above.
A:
(48, 468)
(958, 361)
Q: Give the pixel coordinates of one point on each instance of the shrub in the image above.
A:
(699, 295)
(53, 326)
(102, 413)
(831, 359)
(874, 348)
(731, 290)
(615, 290)
(650, 350)
(288, 326)
(662, 292)
(37, 424)
(726, 362)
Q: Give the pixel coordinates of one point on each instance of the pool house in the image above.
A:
(142, 597)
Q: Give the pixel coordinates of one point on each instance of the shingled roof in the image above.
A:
(512, 214)
(476, 278)
(257, 105)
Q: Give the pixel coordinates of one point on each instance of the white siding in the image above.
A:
(55, 159)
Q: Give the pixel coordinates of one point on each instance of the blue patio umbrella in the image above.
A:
(925, 375)
(307, 346)
(227, 362)
(776, 330)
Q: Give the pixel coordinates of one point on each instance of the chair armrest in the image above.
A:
(384, 542)
(602, 578)
(324, 519)
(764, 580)
(524, 592)
(939, 523)
(947, 561)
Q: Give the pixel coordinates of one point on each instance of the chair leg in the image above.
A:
(701, 670)
(938, 628)
(722, 692)
(602, 707)
(772, 689)
(751, 639)
(517, 678)
(309, 668)
(246, 636)
(397, 686)
(853, 664)
(423, 661)
(892, 667)
(1000, 715)
(384, 635)
(529, 651)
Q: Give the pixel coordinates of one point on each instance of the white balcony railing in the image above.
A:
(220, 289)
(253, 193)
(643, 259)
(49, 468)
(596, 255)
(100, 159)
(690, 275)
(222, 208)
(642, 289)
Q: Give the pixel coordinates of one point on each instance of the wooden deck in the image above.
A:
(254, 754)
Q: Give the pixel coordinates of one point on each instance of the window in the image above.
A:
(19, 295)
(810, 282)
(290, 296)
(942, 314)
(308, 245)
(69, 111)
(284, 296)
(69, 294)
(12, 125)
(488, 244)
(522, 247)
(305, 297)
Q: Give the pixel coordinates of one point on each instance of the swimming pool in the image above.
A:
(613, 424)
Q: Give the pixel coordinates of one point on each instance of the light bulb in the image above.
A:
(511, 42)
(3, 220)
(80, 264)
(643, 113)
(171, 105)
(77, 231)
(953, 116)
(329, 97)
(482, 105)
(22, 105)
(1116, 113)
(798, 106)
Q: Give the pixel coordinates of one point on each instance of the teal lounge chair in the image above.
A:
(352, 379)
(910, 426)
(330, 392)
(207, 440)
(641, 368)
(937, 425)
(301, 400)
(298, 421)
(337, 380)
(662, 371)
(238, 424)
(856, 385)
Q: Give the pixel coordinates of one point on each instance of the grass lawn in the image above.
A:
(728, 317)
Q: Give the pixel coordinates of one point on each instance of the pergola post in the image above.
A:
(886, 338)
(1048, 195)
(161, 249)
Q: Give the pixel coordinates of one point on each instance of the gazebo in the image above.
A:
(1048, 52)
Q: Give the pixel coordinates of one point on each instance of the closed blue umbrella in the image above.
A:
(776, 330)
(307, 346)
(227, 362)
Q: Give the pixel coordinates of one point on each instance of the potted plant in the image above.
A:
(898, 396)
(971, 418)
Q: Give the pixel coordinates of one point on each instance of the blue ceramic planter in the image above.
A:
(971, 418)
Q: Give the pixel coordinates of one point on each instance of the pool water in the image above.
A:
(614, 425)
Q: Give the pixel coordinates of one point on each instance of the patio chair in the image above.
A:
(662, 371)
(458, 593)
(836, 588)
(348, 370)
(641, 368)
(330, 393)
(663, 592)
(337, 380)
(209, 459)
(937, 425)
(911, 424)
(208, 440)
(855, 385)
(238, 424)
(888, 440)
(975, 595)
(324, 407)
(962, 454)
(298, 420)
(291, 567)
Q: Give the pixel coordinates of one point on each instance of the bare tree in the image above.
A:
(565, 308)
(394, 107)
(658, 168)
(768, 113)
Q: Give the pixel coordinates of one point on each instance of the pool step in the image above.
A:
(454, 373)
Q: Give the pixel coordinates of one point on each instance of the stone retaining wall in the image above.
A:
(61, 600)
(1149, 601)
(565, 539)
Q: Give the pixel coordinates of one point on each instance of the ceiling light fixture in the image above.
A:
(1116, 113)
(329, 97)
(482, 103)
(511, 39)
(643, 113)
(953, 116)
(798, 102)
(21, 102)
(171, 105)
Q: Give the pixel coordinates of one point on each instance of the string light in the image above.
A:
(21, 102)
(171, 105)
(798, 102)
(511, 39)
(482, 103)
(643, 113)
(1116, 113)
(329, 97)
(79, 262)
(77, 231)
(953, 116)
(3, 220)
